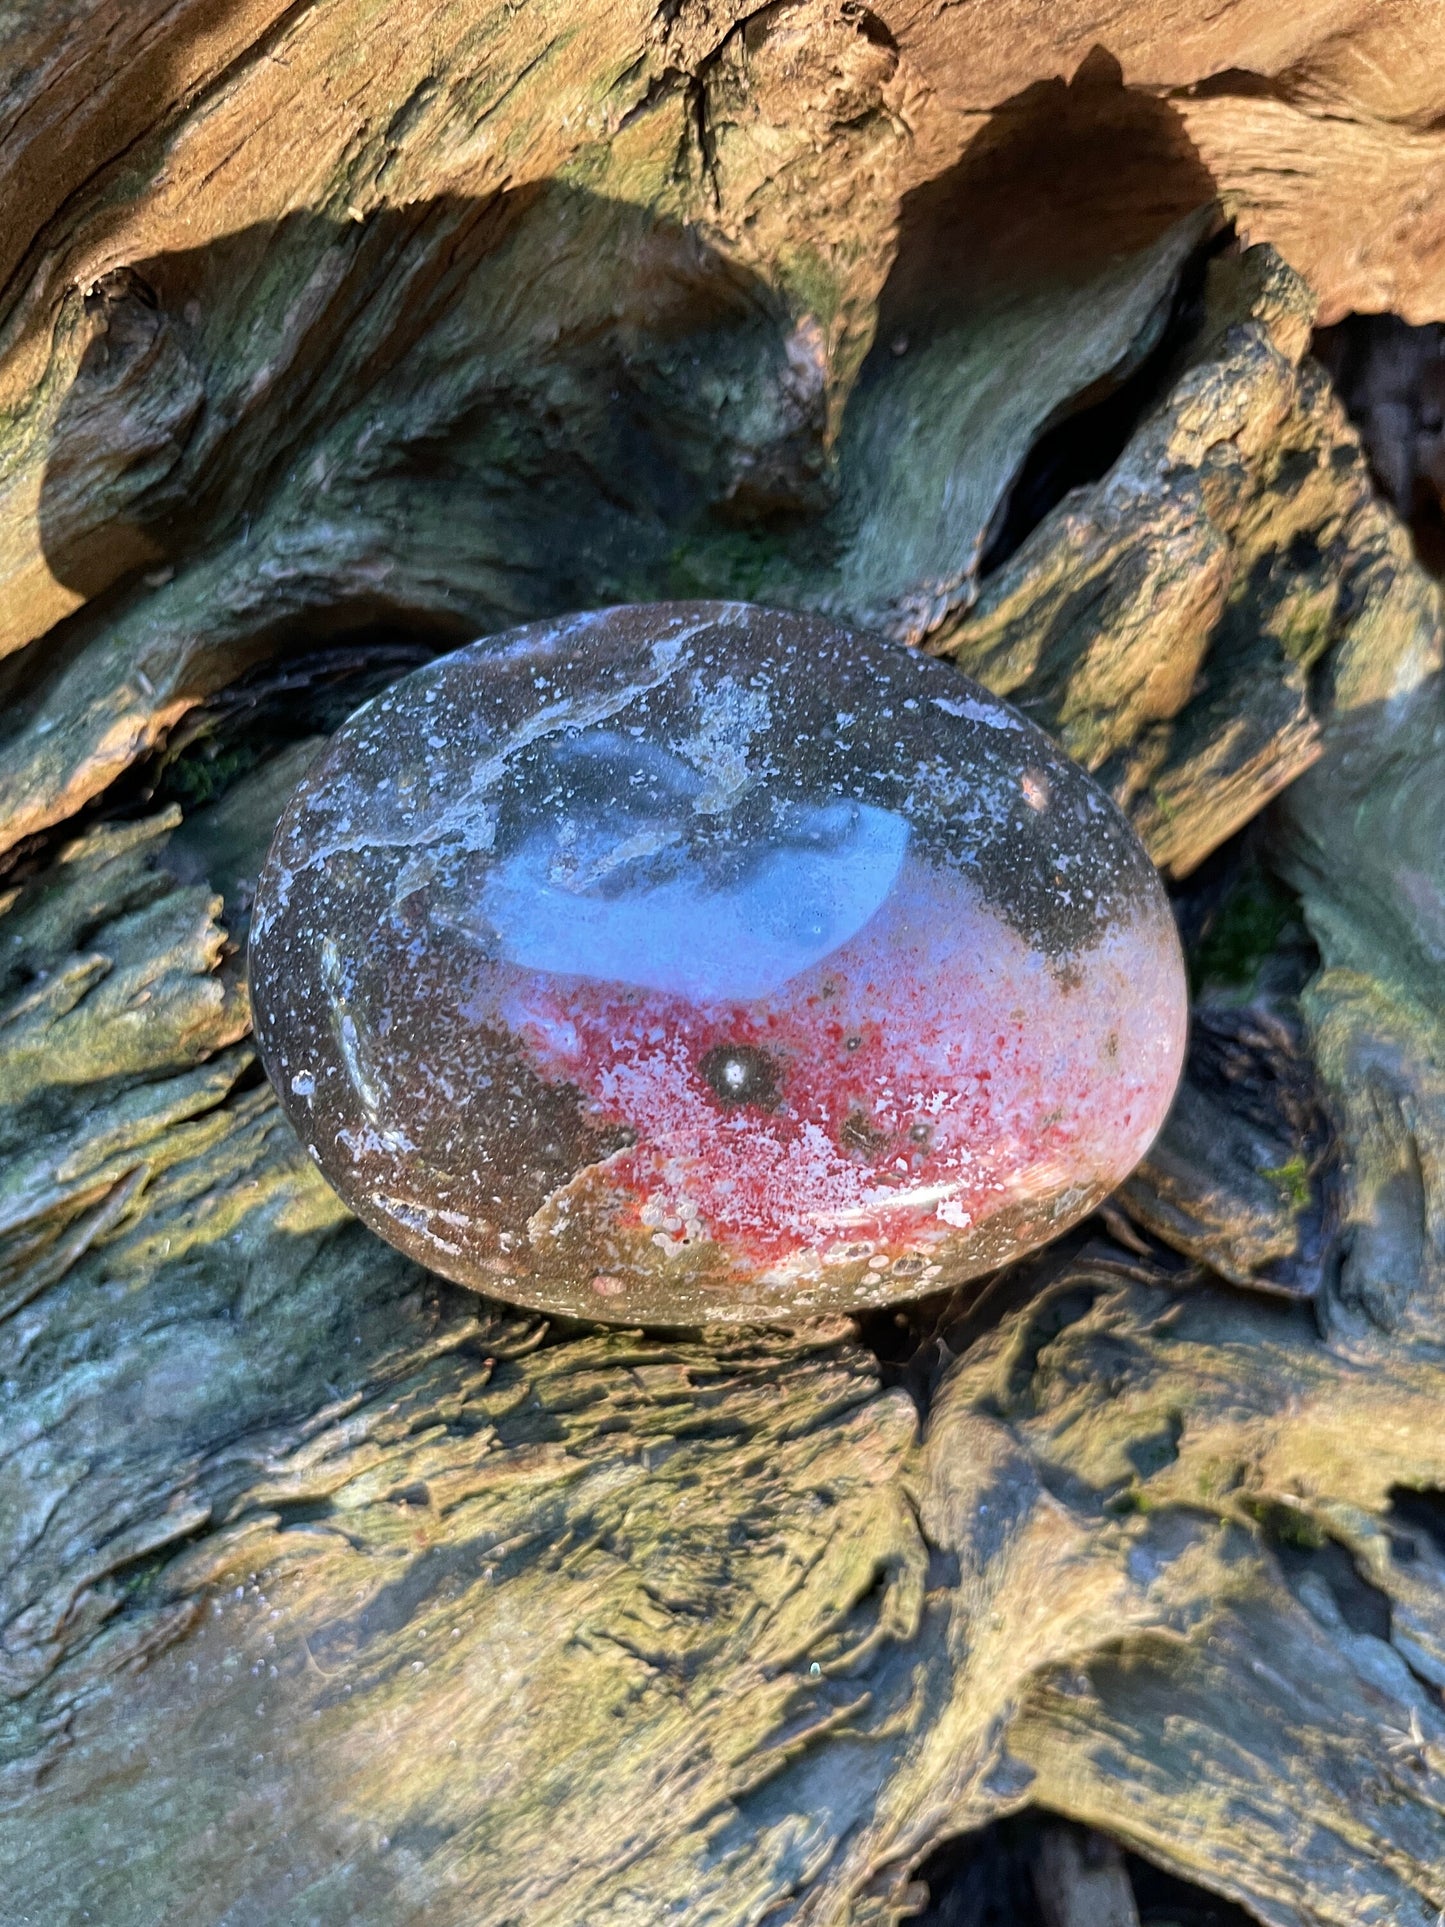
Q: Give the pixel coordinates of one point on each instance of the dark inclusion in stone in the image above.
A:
(742, 1074)
(696, 962)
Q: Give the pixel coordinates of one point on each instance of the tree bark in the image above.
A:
(330, 334)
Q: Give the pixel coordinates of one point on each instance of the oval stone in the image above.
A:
(695, 962)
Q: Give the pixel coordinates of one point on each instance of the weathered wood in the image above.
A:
(332, 1593)
(1081, 1881)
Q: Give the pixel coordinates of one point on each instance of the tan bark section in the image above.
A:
(791, 133)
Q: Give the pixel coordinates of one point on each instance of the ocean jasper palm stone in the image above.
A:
(695, 962)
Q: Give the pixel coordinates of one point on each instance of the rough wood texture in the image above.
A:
(333, 1594)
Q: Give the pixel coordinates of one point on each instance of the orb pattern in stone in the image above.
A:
(695, 962)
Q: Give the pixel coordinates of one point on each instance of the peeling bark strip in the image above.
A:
(333, 333)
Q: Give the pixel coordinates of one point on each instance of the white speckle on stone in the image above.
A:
(971, 710)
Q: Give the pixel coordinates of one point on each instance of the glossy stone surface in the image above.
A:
(695, 962)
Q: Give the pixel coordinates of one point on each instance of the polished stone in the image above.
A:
(695, 962)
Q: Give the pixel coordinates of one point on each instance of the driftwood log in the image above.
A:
(332, 331)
